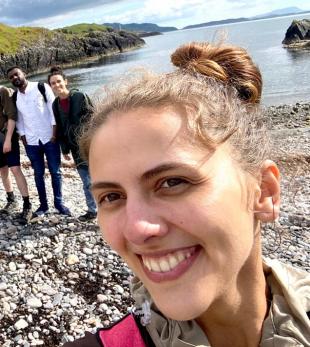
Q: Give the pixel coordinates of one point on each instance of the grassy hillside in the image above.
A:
(12, 39)
(82, 28)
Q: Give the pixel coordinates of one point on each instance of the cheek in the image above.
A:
(111, 233)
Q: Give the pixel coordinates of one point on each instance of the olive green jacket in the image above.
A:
(287, 324)
(7, 107)
(69, 124)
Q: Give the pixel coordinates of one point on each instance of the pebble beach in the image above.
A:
(58, 278)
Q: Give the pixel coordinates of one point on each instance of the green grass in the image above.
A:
(82, 28)
(14, 38)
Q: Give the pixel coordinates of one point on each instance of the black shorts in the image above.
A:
(12, 158)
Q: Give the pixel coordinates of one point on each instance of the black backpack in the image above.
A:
(41, 88)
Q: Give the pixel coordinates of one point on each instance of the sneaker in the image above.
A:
(10, 205)
(88, 216)
(63, 210)
(40, 212)
(25, 217)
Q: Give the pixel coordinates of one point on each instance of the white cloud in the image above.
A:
(156, 11)
(169, 11)
(21, 11)
(57, 13)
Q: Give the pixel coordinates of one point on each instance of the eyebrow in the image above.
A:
(104, 185)
(163, 168)
(146, 176)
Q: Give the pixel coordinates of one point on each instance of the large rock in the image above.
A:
(298, 34)
(58, 50)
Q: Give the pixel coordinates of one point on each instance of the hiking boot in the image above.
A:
(88, 216)
(63, 210)
(9, 207)
(25, 217)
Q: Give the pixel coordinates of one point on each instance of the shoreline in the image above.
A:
(79, 63)
(59, 278)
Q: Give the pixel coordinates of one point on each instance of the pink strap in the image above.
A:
(125, 333)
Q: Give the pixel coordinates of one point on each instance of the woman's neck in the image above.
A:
(236, 320)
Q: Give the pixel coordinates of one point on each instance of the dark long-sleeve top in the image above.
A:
(69, 124)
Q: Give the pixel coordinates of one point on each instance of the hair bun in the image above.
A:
(55, 69)
(228, 64)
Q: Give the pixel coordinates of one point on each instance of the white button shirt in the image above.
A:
(35, 116)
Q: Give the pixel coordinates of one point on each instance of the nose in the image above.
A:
(143, 223)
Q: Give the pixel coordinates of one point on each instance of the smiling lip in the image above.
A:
(169, 266)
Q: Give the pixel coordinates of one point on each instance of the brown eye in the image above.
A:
(110, 198)
(172, 182)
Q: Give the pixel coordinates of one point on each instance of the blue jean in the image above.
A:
(36, 155)
(90, 202)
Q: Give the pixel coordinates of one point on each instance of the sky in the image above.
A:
(179, 13)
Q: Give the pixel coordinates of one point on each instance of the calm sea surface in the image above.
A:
(286, 73)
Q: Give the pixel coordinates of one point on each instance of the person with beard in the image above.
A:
(37, 129)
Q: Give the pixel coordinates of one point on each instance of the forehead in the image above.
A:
(140, 139)
(15, 71)
(144, 124)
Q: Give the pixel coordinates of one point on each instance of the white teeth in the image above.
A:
(147, 264)
(164, 265)
(180, 256)
(167, 263)
(173, 261)
(154, 265)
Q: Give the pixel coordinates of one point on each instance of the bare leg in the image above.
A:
(20, 180)
(6, 180)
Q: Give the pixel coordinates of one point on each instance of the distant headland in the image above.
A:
(153, 29)
(287, 11)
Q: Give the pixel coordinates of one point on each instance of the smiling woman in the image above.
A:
(181, 176)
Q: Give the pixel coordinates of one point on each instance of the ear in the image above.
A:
(267, 201)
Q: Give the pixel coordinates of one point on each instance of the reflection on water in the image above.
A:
(285, 72)
(299, 56)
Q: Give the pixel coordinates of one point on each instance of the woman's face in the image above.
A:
(176, 213)
(58, 85)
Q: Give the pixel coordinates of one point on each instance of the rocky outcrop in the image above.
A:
(61, 49)
(298, 34)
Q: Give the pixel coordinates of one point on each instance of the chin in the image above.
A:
(181, 311)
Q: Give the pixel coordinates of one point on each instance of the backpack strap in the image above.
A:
(125, 332)
(14, 97)
(41, 88)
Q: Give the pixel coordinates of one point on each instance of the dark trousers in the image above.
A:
(36, 155)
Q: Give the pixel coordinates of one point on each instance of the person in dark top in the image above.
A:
(72, 109)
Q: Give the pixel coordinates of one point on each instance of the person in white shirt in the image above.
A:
(37, 129)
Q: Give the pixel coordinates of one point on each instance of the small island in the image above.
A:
(298, 35)
(36, 49)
